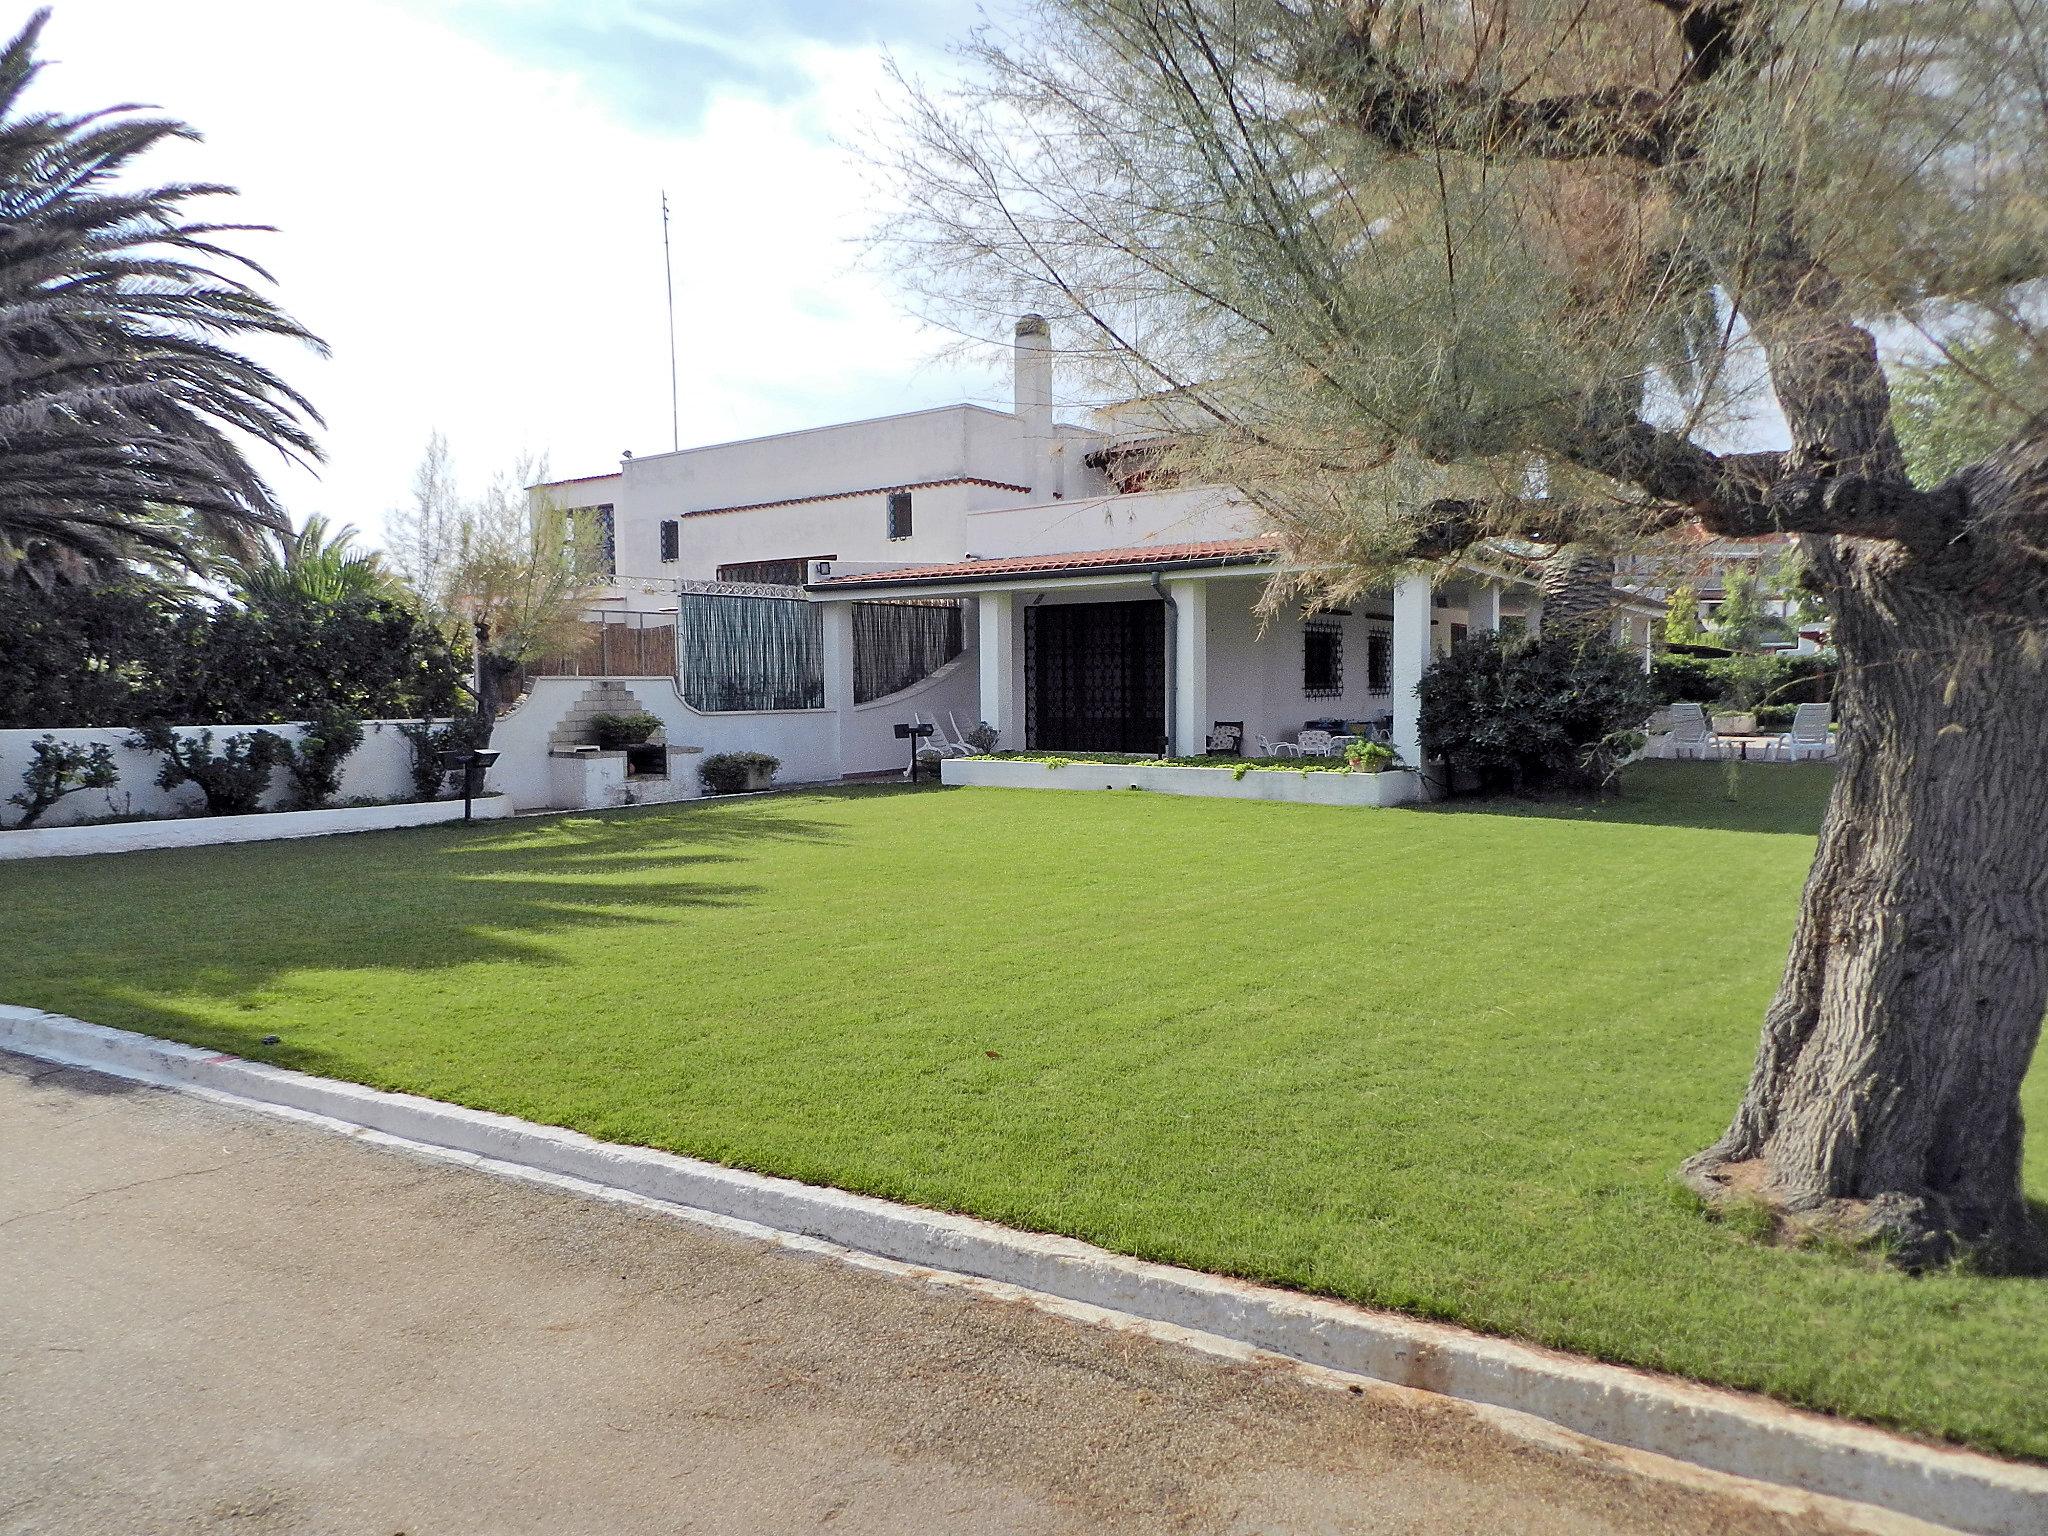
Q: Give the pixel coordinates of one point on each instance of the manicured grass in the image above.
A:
(1439, 1060)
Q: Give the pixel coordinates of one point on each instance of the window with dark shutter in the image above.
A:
(899, 514)
(1379, 662)
(671, 540)
(1322, 659)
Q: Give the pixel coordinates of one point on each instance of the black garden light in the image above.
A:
(914, 734)
(472, 766)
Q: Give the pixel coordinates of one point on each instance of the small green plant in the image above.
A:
(732, 773)
(984, 738)
(58, 768)
(615, 733)
(232, 779)
(1368, 756)
(314, 760)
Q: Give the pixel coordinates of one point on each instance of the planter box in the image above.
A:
(203, 831)
(1400, 787)
(1735, 724)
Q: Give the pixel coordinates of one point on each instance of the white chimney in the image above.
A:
(1033, 355)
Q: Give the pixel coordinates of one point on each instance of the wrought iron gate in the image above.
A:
(1095, 677)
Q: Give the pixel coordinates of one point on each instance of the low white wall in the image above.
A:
(1292, 786)
(813, 745)
(41, 842)
(380, 769)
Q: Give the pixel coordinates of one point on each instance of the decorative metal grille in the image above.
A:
(749, 653)
(1322, 659)
(899, 514)
(896, 644)
(781, 573)
(1095, 677)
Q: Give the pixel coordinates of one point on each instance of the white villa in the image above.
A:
(815, 589)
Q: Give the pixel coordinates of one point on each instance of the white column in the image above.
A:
(1188, 709)
(835, 622)
(1533, 614)
(999, 643)
(1482, 608)
(1411, 656)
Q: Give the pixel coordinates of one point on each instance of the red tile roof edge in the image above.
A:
(873, 490)
(1209, 552)
(545, 485)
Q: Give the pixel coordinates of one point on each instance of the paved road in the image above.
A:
(214, 1321)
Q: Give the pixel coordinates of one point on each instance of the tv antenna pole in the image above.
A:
(675, 431)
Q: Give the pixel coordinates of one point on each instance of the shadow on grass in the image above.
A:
(1718, 797)
(229, 922)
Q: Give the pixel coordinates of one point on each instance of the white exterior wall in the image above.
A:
(1255, 664)
(380, 769)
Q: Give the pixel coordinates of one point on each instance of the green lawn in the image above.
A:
(1438, 1060)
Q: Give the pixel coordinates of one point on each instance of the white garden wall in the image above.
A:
(380, 769)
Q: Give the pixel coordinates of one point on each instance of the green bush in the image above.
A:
(615, 733)
(56, 769)
(729, 773)
(314, 760)
(1774, 717)
(428, 741)
(233, 779)
(1517, 712)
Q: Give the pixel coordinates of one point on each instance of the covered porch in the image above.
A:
(1155, 651)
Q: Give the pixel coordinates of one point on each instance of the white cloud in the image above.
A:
(479, 238)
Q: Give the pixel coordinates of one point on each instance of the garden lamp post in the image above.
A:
(472, 765)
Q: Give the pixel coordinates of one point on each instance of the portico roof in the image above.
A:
(1086, 562)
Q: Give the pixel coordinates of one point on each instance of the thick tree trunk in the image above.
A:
(1885, 1097)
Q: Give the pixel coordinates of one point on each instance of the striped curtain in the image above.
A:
(748, 653)
(898, 644)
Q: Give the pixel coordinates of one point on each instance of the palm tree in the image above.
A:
(319, 563)
(124, 406)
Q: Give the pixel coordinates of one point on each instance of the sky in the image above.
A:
(467, 201)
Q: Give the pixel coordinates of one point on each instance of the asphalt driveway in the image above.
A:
(216, 1321)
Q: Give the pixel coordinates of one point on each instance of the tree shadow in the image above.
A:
(231, 922)
(1783, 798)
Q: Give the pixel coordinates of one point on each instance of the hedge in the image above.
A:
(1746, 681)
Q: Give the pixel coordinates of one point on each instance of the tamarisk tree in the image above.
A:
(1415, 276)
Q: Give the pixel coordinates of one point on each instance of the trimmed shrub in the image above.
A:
(731, 773)
(1744, 682)
(1517, 712)
(314, 760)
(428, 741)
(233, 779)
(615, 733)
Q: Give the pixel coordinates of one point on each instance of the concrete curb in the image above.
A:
(1721, 1431)
(66, 842)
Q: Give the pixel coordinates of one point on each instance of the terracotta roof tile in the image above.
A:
(1209, 552)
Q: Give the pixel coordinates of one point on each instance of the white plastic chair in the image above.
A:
(1693, 734)
(938, 743)
(1271, 748)
(1809, 736)
(959, 738)
(1314, 743)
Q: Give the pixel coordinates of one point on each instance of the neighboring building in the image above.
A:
(1699, 560)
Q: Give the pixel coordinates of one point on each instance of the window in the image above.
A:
(1322, 658)
(605, 549)
(899, 514)
(1379, 661)
(671, 540)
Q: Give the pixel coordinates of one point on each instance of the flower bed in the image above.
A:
(1301, 781)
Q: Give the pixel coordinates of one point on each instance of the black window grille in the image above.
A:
(605, 540)
(1379, 661)
(773, 573)
(1322, 659)
(901, 643)
(671, 540)
(742, 653)
(899, 514)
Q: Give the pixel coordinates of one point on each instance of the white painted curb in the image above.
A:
(210, 831)
(1721, 1431)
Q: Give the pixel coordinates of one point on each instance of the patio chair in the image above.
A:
(1270, 748)
(1310, 743)
(1693, 734)
(959, 738)
(938, 743)
(1809, 736)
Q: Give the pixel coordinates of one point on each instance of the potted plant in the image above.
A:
(734, 773)
(615, 733)
(1735, 722)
